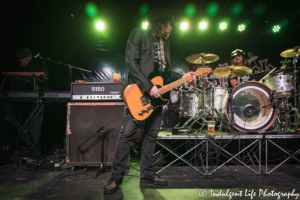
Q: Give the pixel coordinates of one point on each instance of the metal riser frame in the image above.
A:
(208, 141)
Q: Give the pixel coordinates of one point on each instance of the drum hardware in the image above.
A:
(202, 58)
(203, 109)
(293, 53)
(211, 105)
(285, 61)
(282, 107)
(267, 75)
(233, 71)
(195, 119)
(297, 51)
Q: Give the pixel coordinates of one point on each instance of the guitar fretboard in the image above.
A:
(177, 83)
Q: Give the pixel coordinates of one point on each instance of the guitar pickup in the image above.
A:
(145, 100)
(145, 110)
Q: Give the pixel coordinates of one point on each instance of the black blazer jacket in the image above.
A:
(140, 59)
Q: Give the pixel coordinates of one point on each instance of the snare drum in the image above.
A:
(282, 82)
(190, 103)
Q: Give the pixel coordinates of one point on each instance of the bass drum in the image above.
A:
(248, 97)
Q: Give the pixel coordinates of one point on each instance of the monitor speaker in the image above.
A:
(83, 121)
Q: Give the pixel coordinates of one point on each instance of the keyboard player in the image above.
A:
(29, 64)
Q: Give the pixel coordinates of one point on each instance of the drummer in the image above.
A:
(238, 58)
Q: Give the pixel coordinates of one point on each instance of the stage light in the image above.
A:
(203, 25)
(212, 9)
(241, 27)
(223, 25)
(284, 22)
(184, 26)
(145, 25)
(100, 26)
(144, 9)
(237, 8)
(190, 10)
(91, 10)
(276, 28)
(259, 9)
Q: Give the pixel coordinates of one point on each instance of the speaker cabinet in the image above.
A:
(85, 119)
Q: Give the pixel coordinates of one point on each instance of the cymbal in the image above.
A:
(290, 52)
(202, 58)
(233, 71)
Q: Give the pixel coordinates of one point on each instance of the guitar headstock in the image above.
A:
(202, 71)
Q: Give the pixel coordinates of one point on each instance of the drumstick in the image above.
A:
(266, 75)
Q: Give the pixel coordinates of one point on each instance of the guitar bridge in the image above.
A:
(145, 110)
(145, 100)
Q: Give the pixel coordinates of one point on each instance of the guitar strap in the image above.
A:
(162, 53)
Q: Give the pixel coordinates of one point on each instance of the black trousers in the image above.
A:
(128, 130)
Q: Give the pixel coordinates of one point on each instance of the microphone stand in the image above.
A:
(102, 137)
(60, 63)
(280, 103)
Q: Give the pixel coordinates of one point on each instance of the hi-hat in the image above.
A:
(290, 52)
(202, 58)
(233, 71)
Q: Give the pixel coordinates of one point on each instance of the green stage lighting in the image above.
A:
(100, 26)
(212, 9)
(145, 25)
(276, 28)
(203, 25)
(241, 27)
(184, 26)
(91, 9)
(190, 10)
(237, 8)
(223, 25)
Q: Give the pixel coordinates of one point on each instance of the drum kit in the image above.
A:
(252, 106)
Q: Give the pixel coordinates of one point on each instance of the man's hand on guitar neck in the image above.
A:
(154, 92)
(187, 74)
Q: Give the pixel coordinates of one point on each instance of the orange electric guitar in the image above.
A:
(141, 105)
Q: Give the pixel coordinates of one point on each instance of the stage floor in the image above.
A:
(184, 183)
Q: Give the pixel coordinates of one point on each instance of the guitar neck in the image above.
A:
(179, 82)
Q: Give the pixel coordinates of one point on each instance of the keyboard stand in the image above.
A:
(22, 131)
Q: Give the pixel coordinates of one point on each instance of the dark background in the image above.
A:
(47, 27)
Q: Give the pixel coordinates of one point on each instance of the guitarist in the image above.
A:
(147, 55)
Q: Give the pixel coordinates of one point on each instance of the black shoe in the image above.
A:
(112, 186)
(154, 179)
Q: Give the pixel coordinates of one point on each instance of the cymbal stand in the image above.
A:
(213, 109)
(295, 89)
(201, 113)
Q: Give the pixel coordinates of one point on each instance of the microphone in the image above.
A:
(37, 55)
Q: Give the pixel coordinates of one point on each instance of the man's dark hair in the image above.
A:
(157, 17)
(156, 27)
